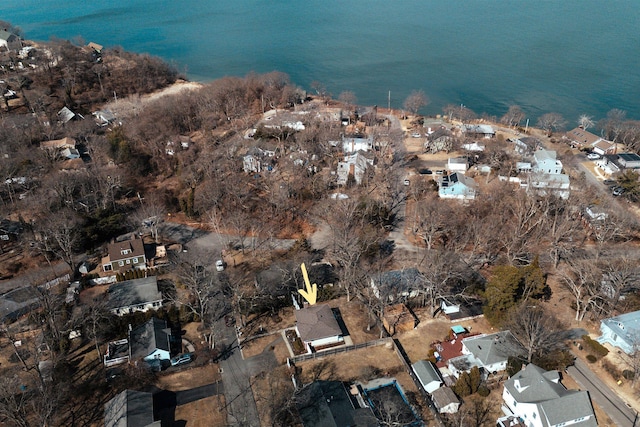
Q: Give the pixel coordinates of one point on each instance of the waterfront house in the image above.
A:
(9, 41)
(545, 161)
(479, 131)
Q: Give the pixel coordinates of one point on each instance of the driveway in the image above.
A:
(191, 395)
(609, 401)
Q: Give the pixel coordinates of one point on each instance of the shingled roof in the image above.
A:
(149, 337)
(316, 322)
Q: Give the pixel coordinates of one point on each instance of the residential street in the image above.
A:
(609, 401)
(236, 377)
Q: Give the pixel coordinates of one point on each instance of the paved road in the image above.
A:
(240, 403)
(188, 396)
(609, 401)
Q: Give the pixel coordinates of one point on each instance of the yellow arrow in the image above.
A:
(311, 292)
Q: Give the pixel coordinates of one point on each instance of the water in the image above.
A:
(568, 56)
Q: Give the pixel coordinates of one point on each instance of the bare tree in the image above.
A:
(538, 330)
(349, 100)
(203, 294)
(583, 280)
(415, 101)
(149, 215)
(513, 116)
(585, 122)
(551, 122)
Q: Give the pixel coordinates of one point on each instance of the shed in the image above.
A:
(445, 400)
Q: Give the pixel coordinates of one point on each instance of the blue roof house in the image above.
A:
(457, 186)
(622, 331)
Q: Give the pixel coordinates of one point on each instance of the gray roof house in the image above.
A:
(428, 375)
(397, 284)
(150, 341)
(622, 331)
(488, 352)
(134, 295)
(445, 400)
(538, 398)
(330, 404)
(9, 41)
(130, 409)
(457, 186)
(317, 326)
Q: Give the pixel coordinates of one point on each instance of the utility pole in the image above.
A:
(389, 102)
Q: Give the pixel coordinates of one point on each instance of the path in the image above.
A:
(187, 396)
(609, 401)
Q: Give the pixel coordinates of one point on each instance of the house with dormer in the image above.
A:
(134, 295)
(622, 331)
(537, 398)
(125, 255)
(489, 353)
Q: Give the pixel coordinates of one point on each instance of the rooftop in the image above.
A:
(149, 337)
(316, 322)
(134, 292)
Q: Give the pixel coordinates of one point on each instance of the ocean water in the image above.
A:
(568, 56)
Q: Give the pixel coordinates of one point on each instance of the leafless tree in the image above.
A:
(537, 329)
(583, 279)
(150, 215)
(551, 122)
(415, 101)
(349, 100)
(203, 290)
(430, 219)
(585, 122)
(513, 116)
(476, 411)
(620, 276)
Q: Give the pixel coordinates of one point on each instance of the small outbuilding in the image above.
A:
(428, 375)
(445, 400)
(398, 318)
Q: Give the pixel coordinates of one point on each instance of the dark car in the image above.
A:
(425, 172)
(609, 182)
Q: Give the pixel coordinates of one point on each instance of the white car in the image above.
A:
(593, 156)
(220, 265)
(416, 135)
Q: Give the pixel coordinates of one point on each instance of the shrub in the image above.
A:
(483, 391)
(591, 358)
(628, 375)
(595, 347)
(611, 369)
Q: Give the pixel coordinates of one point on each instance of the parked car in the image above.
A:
(425, 172)
(416, 135)
(593, 156)
(618, 191)
(609, 182)
(181, 359)
(407, 182)
(220, 265)
(441, 172)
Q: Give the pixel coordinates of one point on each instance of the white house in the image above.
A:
(457, 164)
(150, 341)
(622, 331)
(351, 145)
(538, 399)
(317, 327)
(457, 186)
(488, 352)
(428, 375)
(445, 400)
(547, 183)
(355, 165)
(134, 295)
(545, 162)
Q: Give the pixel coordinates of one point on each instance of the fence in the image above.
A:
(337, 350)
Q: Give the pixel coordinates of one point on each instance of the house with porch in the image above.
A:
(537, 398)
(578, 137)
(621, 331)
(479, 131)
(123, 256)
(317, 327)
